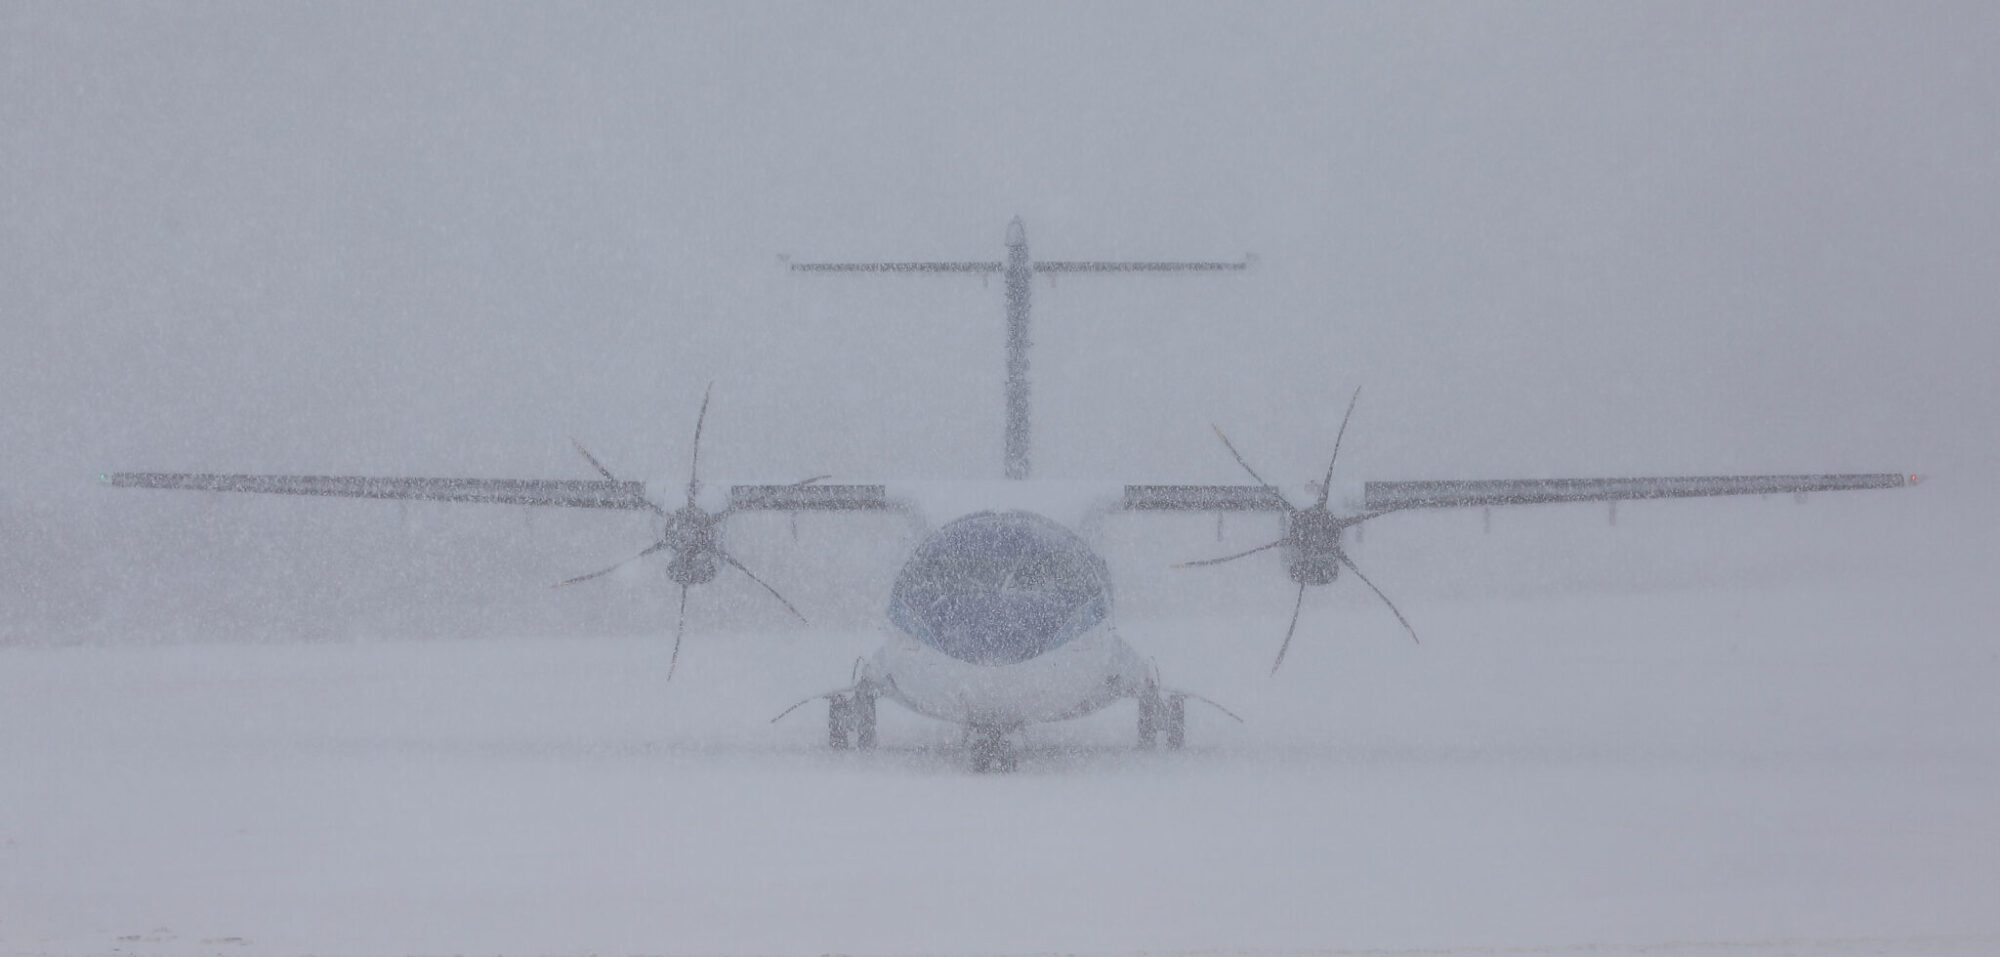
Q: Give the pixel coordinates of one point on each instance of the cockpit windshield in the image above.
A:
(1000, 587)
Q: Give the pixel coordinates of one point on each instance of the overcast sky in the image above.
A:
(1551, 239)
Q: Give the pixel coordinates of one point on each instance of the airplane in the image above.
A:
(1002, 616)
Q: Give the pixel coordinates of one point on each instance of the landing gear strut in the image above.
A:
(850, 721)
(1162, 712)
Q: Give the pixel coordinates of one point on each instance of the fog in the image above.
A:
(1545, 240)
(1552, 240)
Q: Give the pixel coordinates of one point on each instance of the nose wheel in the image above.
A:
(992, 751)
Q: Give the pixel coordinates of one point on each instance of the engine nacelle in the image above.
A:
(1312, 546)
(693, 567)
(694, 536)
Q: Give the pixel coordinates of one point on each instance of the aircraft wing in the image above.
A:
(809, 498)
(1204, 498)
(1074, 266)
(629, 496)
(1394, 496)
(554, 492)
(897, 267)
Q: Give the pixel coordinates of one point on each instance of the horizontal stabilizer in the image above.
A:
(1050, 266)
(1388, 496)
(551, 492)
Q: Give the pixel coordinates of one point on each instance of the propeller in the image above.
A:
(1313, 553)
(692, 533)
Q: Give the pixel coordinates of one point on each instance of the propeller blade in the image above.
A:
(680, 626)
(1211, 703)
(1326, 485)
(592, 459)
(601, 470)
(1349, 562)
(782, 714)
(1229, 558)
(1353, 520)
(694, 460)
(1231, 446)
(733, 563)
(1294, 626)
(600, 573)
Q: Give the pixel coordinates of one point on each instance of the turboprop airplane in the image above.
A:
(1002, 616)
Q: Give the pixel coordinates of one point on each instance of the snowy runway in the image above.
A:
(1512, 786)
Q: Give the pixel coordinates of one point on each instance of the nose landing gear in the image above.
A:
(991, 749)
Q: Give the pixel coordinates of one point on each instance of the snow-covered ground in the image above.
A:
(1805, 768)
(437, 239)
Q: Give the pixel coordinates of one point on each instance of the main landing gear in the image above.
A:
(850, 720)
(1162, 713)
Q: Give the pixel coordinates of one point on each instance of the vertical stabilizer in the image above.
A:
(1020, 290)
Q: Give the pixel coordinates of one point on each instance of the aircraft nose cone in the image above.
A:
(1017, 235)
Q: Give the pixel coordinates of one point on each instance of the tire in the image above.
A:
(863, 720)
(1150, 714)
(839, 719)
(991, 751)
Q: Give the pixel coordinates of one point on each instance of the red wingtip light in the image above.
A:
(1916, 479)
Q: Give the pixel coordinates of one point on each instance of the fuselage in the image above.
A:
(1001, 619)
